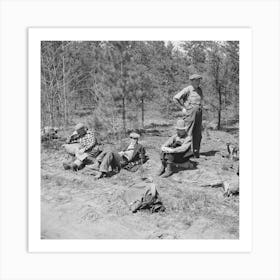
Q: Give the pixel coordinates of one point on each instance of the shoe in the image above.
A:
(74, 167)
(168, 171)
(99, 175)
(196, 154)
(162, 169)
(66, 166)
(95, 166)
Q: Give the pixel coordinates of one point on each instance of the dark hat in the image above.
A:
(78, 127)
(180, 125)
(195, 77)
(134, 135)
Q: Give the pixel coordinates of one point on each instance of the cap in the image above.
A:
(78, 127)
(134, 135)
(195, 77)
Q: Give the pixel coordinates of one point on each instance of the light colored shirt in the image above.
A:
(182, 143)
(189, 96)
(128, 153)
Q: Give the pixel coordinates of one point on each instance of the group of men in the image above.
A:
(84, 148)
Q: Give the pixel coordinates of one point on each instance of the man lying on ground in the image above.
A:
(177, 149)
(109, 160)
(82, 146)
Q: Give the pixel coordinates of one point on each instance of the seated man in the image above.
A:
(133, 154)
(177, 149)
(83, 146)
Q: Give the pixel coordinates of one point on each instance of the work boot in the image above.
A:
(196, 154)
(66, 166)
(74, 167)
(168, 171)
(99, 175)
(162, 168)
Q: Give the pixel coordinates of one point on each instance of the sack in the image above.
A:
(144, 197)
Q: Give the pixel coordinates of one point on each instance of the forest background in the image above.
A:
(119, 86)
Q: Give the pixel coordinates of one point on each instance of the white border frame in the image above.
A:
(244, 243)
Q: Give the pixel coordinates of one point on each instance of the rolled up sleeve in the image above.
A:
(181, 95)
(169, 141)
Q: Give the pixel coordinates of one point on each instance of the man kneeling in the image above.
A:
(134, 153)
(177, 149)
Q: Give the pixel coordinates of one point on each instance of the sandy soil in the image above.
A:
(75, 206)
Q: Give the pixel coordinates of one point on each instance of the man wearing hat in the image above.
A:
(82, 145)
(177, 149)
(133, 153)
(190, 101)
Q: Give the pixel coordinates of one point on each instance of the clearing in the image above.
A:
(75, 206)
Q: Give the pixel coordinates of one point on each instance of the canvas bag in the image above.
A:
(144, 196)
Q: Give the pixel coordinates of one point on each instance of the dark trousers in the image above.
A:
(193, 122)
(174, 158)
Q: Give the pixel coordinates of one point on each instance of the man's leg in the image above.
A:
(163, 163)
(197, 132)
(97, 161)
(118, 161)
(169, 165)
(71, 150)
(189, 119)
(107, 162)
(172, 159)
(80, 160)
(79, 157)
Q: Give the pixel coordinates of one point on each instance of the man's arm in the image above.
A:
(142, 153)
(168, 143)
(73, 138)
(184, 147)
(89, 142)
(178, 98)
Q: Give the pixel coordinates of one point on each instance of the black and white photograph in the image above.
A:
(139, 139)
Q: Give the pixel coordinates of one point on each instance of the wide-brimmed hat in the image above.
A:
(195, 77)
(134, 135)
(180, 125)
(78, 127)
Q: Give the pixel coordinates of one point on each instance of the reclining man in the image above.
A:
(83, 147)
(177, 149)
(133, 154)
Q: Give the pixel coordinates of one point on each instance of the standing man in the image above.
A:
(190, 101)
(81, 145)
(177, 149)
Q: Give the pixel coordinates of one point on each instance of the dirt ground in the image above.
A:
(75, 206)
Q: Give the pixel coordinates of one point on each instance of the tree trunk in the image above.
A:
(220, 108)
(124, 114)
(64, 90)
(142, 111)
(52, 109)
(123, 99)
